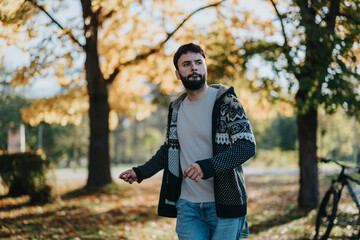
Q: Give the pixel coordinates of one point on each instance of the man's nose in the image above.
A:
(193, 67)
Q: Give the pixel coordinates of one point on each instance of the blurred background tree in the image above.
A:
(10, 105)
(59, 142)
(118, 44)
(315, 64)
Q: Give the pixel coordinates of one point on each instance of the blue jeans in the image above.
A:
(198, 221)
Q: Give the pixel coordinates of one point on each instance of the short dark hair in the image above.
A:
(190, 47)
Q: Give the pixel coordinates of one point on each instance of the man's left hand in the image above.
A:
(194, 172)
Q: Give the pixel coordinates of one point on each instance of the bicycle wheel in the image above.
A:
(326, 214)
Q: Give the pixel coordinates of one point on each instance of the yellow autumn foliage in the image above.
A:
(61, 109)
(113, 120)
(128, 28)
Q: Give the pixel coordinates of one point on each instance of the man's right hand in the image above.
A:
(129, 176)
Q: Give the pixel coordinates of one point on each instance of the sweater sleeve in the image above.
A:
(235, 126)
(154, 165)
(234, 156)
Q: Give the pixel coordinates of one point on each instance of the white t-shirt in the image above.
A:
(195, 138)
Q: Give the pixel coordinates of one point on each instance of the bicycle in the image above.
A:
(329, 204)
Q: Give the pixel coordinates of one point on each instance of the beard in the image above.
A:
(193, 84)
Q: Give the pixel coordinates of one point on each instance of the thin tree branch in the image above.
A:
(67, 32)
(286, 47)
(109, 14)
(179, 26)
(159, 46)
(303, 5)
(281, 22)
(307, 12)
(333, 13)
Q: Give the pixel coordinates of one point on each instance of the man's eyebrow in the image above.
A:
(196, 60)
(186, 61)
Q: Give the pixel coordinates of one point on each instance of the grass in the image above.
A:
(121, 211)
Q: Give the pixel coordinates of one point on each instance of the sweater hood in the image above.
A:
(221, 90)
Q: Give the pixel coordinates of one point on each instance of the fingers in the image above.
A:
(128, 176)
(194, 172)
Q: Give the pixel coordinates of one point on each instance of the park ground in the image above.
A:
(123, 211)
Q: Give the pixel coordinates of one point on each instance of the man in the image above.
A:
(208, 139)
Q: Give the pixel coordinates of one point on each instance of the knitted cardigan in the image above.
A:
(233, 144)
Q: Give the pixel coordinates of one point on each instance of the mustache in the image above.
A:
(194, 75)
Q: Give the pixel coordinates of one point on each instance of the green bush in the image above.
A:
(25, 173)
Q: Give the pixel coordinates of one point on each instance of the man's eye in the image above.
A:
(199, 63)
(185, 64)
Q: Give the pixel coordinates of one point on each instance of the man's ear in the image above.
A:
(177, 74)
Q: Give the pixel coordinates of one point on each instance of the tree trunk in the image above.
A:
(99, 161)
(309, 185)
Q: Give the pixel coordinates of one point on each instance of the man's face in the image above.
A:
(192, 70)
